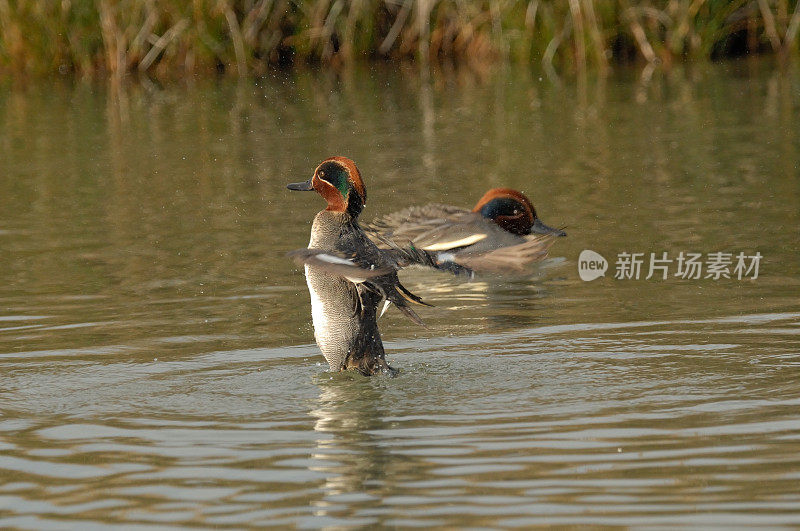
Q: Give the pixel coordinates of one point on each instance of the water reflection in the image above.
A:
(156, 349)
(346, 411)
(359, 466)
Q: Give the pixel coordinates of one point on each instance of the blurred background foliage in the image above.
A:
(174, 39)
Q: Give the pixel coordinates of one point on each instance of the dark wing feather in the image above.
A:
(511, 258)
(366, 354)
(337, 263)
(355, 245)
(406, 225)
(413, 255)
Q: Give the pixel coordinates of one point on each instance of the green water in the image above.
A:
(157, 356)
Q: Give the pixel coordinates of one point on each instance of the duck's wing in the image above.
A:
(365, 252)
(459, 235)
(482, 246)
(367, 270)
(440, 228)
(513, 258)
(410, 255)
(338, 264)
(406, 225)
(357, 259)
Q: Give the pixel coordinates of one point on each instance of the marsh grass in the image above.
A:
(171, 38)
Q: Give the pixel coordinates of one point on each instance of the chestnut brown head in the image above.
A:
(339, 182)
(513, 211)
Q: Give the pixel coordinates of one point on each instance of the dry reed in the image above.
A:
(172, 38)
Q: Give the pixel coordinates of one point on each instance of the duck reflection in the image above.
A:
(350, 408)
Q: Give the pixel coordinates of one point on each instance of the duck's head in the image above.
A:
(339, 182)
(513, 211)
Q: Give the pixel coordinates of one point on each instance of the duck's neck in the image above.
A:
(326, 229)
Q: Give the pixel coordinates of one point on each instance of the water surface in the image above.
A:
(156, 352)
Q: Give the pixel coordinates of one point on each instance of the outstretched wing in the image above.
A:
(388, 285)
(369, 269)
(338, 264)
(408, 224)
(503, 259)
(454, 236)
(413, 255)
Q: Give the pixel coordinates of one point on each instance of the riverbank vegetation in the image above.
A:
(172, 39)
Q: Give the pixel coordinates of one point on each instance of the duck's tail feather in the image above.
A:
(407, 295)
(400, 297)
(411, 314)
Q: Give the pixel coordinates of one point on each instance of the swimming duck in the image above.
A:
(348, 276)
(501, 233)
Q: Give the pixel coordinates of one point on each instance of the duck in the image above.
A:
(501, 233)
(348, 276)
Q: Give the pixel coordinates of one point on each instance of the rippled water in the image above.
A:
(157, 358)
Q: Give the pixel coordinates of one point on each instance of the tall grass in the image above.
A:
(172, 38)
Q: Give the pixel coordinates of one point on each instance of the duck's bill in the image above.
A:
(300, 187)
(540, 228)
